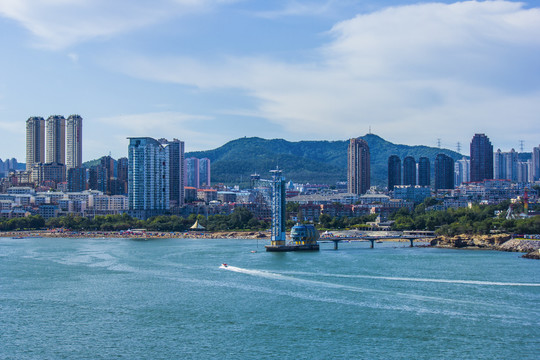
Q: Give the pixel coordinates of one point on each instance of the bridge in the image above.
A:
(408, 236)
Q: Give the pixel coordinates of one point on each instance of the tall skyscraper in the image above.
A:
(409, 171)
(358, 167)
(535, 164)
(76, 179)
(444, 172)
(394, 172)
(192, 172)
(35, 141)
(204, 172)
(424, 172)
(481, 158)
(498, 165)
(511, 160)
(73, 141)
(56, 139)
(176, 171)
(462, 170)
(122, 165)
(148, 176)
(523, 172)
(122, 174)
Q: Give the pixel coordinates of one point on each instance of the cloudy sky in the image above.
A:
(210, 71)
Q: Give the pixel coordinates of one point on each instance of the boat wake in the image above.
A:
(393, 278)
(261, 273)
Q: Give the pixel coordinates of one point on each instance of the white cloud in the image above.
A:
(61, 23)
(408, 71)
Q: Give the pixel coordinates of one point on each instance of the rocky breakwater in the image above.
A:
(533, 255)
(501, 242)
(471, 241)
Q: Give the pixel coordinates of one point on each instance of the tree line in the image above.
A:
(239, 219)
(477, 219)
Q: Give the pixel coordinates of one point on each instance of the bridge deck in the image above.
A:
(372, 239)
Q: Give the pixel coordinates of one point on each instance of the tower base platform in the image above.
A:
(285, 248)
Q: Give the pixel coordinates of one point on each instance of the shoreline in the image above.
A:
(263, 235)
(499, 242)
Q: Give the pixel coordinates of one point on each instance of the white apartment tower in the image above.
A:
(56, 139)
(73, 141)
(35, 141)
(148, 175)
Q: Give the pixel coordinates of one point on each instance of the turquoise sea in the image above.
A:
(169, 299)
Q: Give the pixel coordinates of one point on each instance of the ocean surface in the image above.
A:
(169, 299)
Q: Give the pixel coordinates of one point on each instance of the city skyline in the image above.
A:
(208, 72)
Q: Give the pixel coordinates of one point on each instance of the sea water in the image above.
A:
(172, 299)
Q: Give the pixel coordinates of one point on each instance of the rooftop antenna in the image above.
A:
(521, 145)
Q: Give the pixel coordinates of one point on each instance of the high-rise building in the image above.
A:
(122, 165)
(56, 139)
(424, 172)
(35, 141)
(76, 179)
(148, 176)
(73, 141)
(462, 169)
(535, 164)
(394, 172)
(498, 165)
(511, 160)
(523, 172)
(122, 173)
(444, 172)
(505, 165)
(176, 171)
(49, 174)
(204, 172)
(192, 172)
(409, 171)
(358, 167)
(12, 164)
(481, 158)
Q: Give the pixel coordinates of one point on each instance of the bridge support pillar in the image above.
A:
(412, 242)
(335, 244)
(372, 243)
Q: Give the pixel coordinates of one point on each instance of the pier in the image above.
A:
(373, 239)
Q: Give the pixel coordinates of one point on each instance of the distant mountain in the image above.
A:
(316, 162)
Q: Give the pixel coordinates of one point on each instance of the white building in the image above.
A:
(148, 175)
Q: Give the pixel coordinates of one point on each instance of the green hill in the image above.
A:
(316, 162)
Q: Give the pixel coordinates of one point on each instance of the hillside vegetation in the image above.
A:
(315, 162)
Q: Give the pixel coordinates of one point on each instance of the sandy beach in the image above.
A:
(58, 233)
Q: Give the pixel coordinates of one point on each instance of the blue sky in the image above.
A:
(210, 71)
